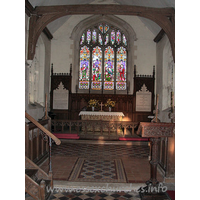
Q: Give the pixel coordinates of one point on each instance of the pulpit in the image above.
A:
(154, 131)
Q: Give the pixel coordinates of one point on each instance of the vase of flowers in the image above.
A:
(110, 104)
(93, 103)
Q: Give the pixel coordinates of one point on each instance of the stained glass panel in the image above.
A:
(109, 69)
(94, 36)
(101, 28)
(96, 68)
(118, 37)
(100, 39)
(106, 40)
(82, 38)
(106, 28)
(88, 36)
(121, 69)
(112, 37)
(84, 68)
(124, 40)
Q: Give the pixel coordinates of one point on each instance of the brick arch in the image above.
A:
(43, 15)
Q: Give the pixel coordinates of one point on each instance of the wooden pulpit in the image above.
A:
(154, 131)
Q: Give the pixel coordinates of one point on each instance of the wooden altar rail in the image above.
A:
(36, 148)
(75, 126)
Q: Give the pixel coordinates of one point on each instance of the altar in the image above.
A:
(98, 115)
(103, 118)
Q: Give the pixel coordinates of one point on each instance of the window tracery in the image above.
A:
(103, 58)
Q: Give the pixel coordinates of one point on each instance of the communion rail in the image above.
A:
(85, 126)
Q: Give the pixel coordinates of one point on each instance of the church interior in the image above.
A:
(99, 99)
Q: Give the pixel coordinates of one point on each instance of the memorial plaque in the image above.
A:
(143, 100)
(60, 98)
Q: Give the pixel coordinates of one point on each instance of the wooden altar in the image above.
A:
(101, 116)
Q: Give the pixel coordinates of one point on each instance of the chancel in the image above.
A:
(97, 69)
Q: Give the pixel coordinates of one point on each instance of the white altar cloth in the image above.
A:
(97, 113)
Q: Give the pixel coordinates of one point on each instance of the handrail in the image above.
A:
(42, 128)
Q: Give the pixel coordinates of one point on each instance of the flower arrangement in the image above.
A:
(93, 103)
(110, 103)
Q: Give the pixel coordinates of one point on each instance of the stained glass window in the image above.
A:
(100, 39)
(102, 65)
(101, 28)
(118, 37)
(109, 69)
(84, 68)
(106, 28)
(94, 36)
(88, 36)
(121, 69)
(106, 40)
(82, 38)
(96, 68)
(124, 40)
(112, 37)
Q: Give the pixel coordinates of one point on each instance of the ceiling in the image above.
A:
(152, 26)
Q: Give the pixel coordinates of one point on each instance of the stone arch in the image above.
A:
(115, 21)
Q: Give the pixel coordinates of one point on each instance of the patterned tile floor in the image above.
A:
(134, 158)
(95, 196)
(101, 151)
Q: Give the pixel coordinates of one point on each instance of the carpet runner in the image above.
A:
(91, 170)
(66, 136)
(133, 139)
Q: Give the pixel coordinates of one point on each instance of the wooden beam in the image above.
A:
(31, 11)
(28, 8)
(102, 9)
(159, 36)
(47, 33)
(164, 17)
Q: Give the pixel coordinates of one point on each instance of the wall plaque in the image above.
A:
(60, 97)
(143, 100)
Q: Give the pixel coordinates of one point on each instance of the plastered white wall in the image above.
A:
(144, 47)
(37, 111)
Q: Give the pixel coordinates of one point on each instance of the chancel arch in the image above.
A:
(128, 36)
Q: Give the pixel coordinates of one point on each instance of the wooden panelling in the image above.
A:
(79, 101)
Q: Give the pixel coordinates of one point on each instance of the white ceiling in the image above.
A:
(153, 27)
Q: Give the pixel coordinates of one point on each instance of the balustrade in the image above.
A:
(100, 126)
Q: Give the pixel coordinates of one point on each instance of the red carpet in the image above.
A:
(66, 136)
(133, 139)
(171, 194)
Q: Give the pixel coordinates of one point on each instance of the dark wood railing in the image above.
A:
(38, 138)
(85, 126)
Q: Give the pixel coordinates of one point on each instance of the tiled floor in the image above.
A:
(134, 158)
(95, 196)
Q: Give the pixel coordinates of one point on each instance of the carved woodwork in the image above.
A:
(31, 187)
(36, 143)
(43, 15)
(124, 103)
(42, 128)
(155, 131)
